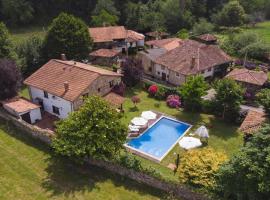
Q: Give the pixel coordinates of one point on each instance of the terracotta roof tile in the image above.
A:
(168, 44)
(248, 76)
(208, 37)
(105, 53)
(20, 105)
(114, 99)
(79, 76)
(134, 36)
(108, 34)
(180, 58)
(252, 122)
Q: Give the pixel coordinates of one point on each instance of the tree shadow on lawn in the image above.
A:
(65, 177)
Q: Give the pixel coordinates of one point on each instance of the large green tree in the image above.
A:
(107, 5)
(104, 19)
(202, 27)
(263, 98)
(6, 48)
(247, 175)
(94, 131)
(232, 15)
(192, 91)
(69, 35)
(229, 96)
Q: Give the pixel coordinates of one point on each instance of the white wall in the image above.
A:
(207, 73)
(140, 43)
(35, 115)
(65, 107)
(158, 68)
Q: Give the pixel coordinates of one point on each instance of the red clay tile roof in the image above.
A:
(168, 44)
(252, 122)
(180, 58)
(108, 53)
(248, 76)
(114, 99)
(79, 76)
(108, 34)
(133, 36)
(20, 105)
(207, 37)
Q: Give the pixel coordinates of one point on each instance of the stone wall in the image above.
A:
(45, 136)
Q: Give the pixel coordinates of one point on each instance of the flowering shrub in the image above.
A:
(173, 101)
(153, 89)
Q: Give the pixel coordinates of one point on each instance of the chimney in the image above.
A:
(63, 57)
(66, 86)
(193, 62)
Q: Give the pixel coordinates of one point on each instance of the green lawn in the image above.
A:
(223, 137)
(24, 92)
(28, 170)
(20, 34)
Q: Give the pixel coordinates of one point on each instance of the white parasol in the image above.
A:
(139, 121)
(149, 115)
(202, 132)
(190, 143)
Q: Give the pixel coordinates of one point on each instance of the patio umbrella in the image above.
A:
(202, 132)
(190, 143)
(149, 115)
(139, 121)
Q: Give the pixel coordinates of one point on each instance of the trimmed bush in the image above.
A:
(135, 100)
(173, 101)
(198, 167)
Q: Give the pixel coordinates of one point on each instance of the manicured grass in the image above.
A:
(223, 136)
(21, 34)
(263, 30)
(28, 170)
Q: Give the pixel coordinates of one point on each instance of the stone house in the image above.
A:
(190, 58)
(105, 57)
(253, 81)
(59, 87)
(116, 37)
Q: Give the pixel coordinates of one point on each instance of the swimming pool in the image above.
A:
(156, 142)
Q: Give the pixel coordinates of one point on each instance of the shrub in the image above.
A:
(161, 93)
(198, 167)
(135, 100)
(263, 98)
(153, 89)
(173, 101)
(202, 27)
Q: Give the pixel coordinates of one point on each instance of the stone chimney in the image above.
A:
(193, 61)
(66, 86)
(63, 57)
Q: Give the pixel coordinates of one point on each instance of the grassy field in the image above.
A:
(263, 30)
(223, 137)
(29, 171)
(21, 34)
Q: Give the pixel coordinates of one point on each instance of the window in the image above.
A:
(56, 110)
(177, 74)
(111, 84)
(202, 71)
(158, 73)
(210, 69)
(150, 69)
(98, 89)
(46, 95)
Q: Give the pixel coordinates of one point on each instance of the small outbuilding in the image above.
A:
(105, 57)
(115, 100)
(23, 109)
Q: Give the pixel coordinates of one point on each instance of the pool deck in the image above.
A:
(150, 124)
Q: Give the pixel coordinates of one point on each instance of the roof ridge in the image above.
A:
(253, 76)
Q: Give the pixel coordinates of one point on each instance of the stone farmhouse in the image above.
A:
(190, 58)
(59, 86)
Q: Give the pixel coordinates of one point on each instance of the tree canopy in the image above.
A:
(95, 131)
(263, 98)
(6, 48)
(247, 174)
(69, 35)
(104, 19)
(192, 91)
(229, 96)
(10, 79)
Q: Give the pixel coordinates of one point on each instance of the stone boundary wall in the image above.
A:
(45, 136)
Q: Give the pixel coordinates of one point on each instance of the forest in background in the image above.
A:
(141, 15)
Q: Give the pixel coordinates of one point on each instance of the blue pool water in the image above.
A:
(160, 138)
